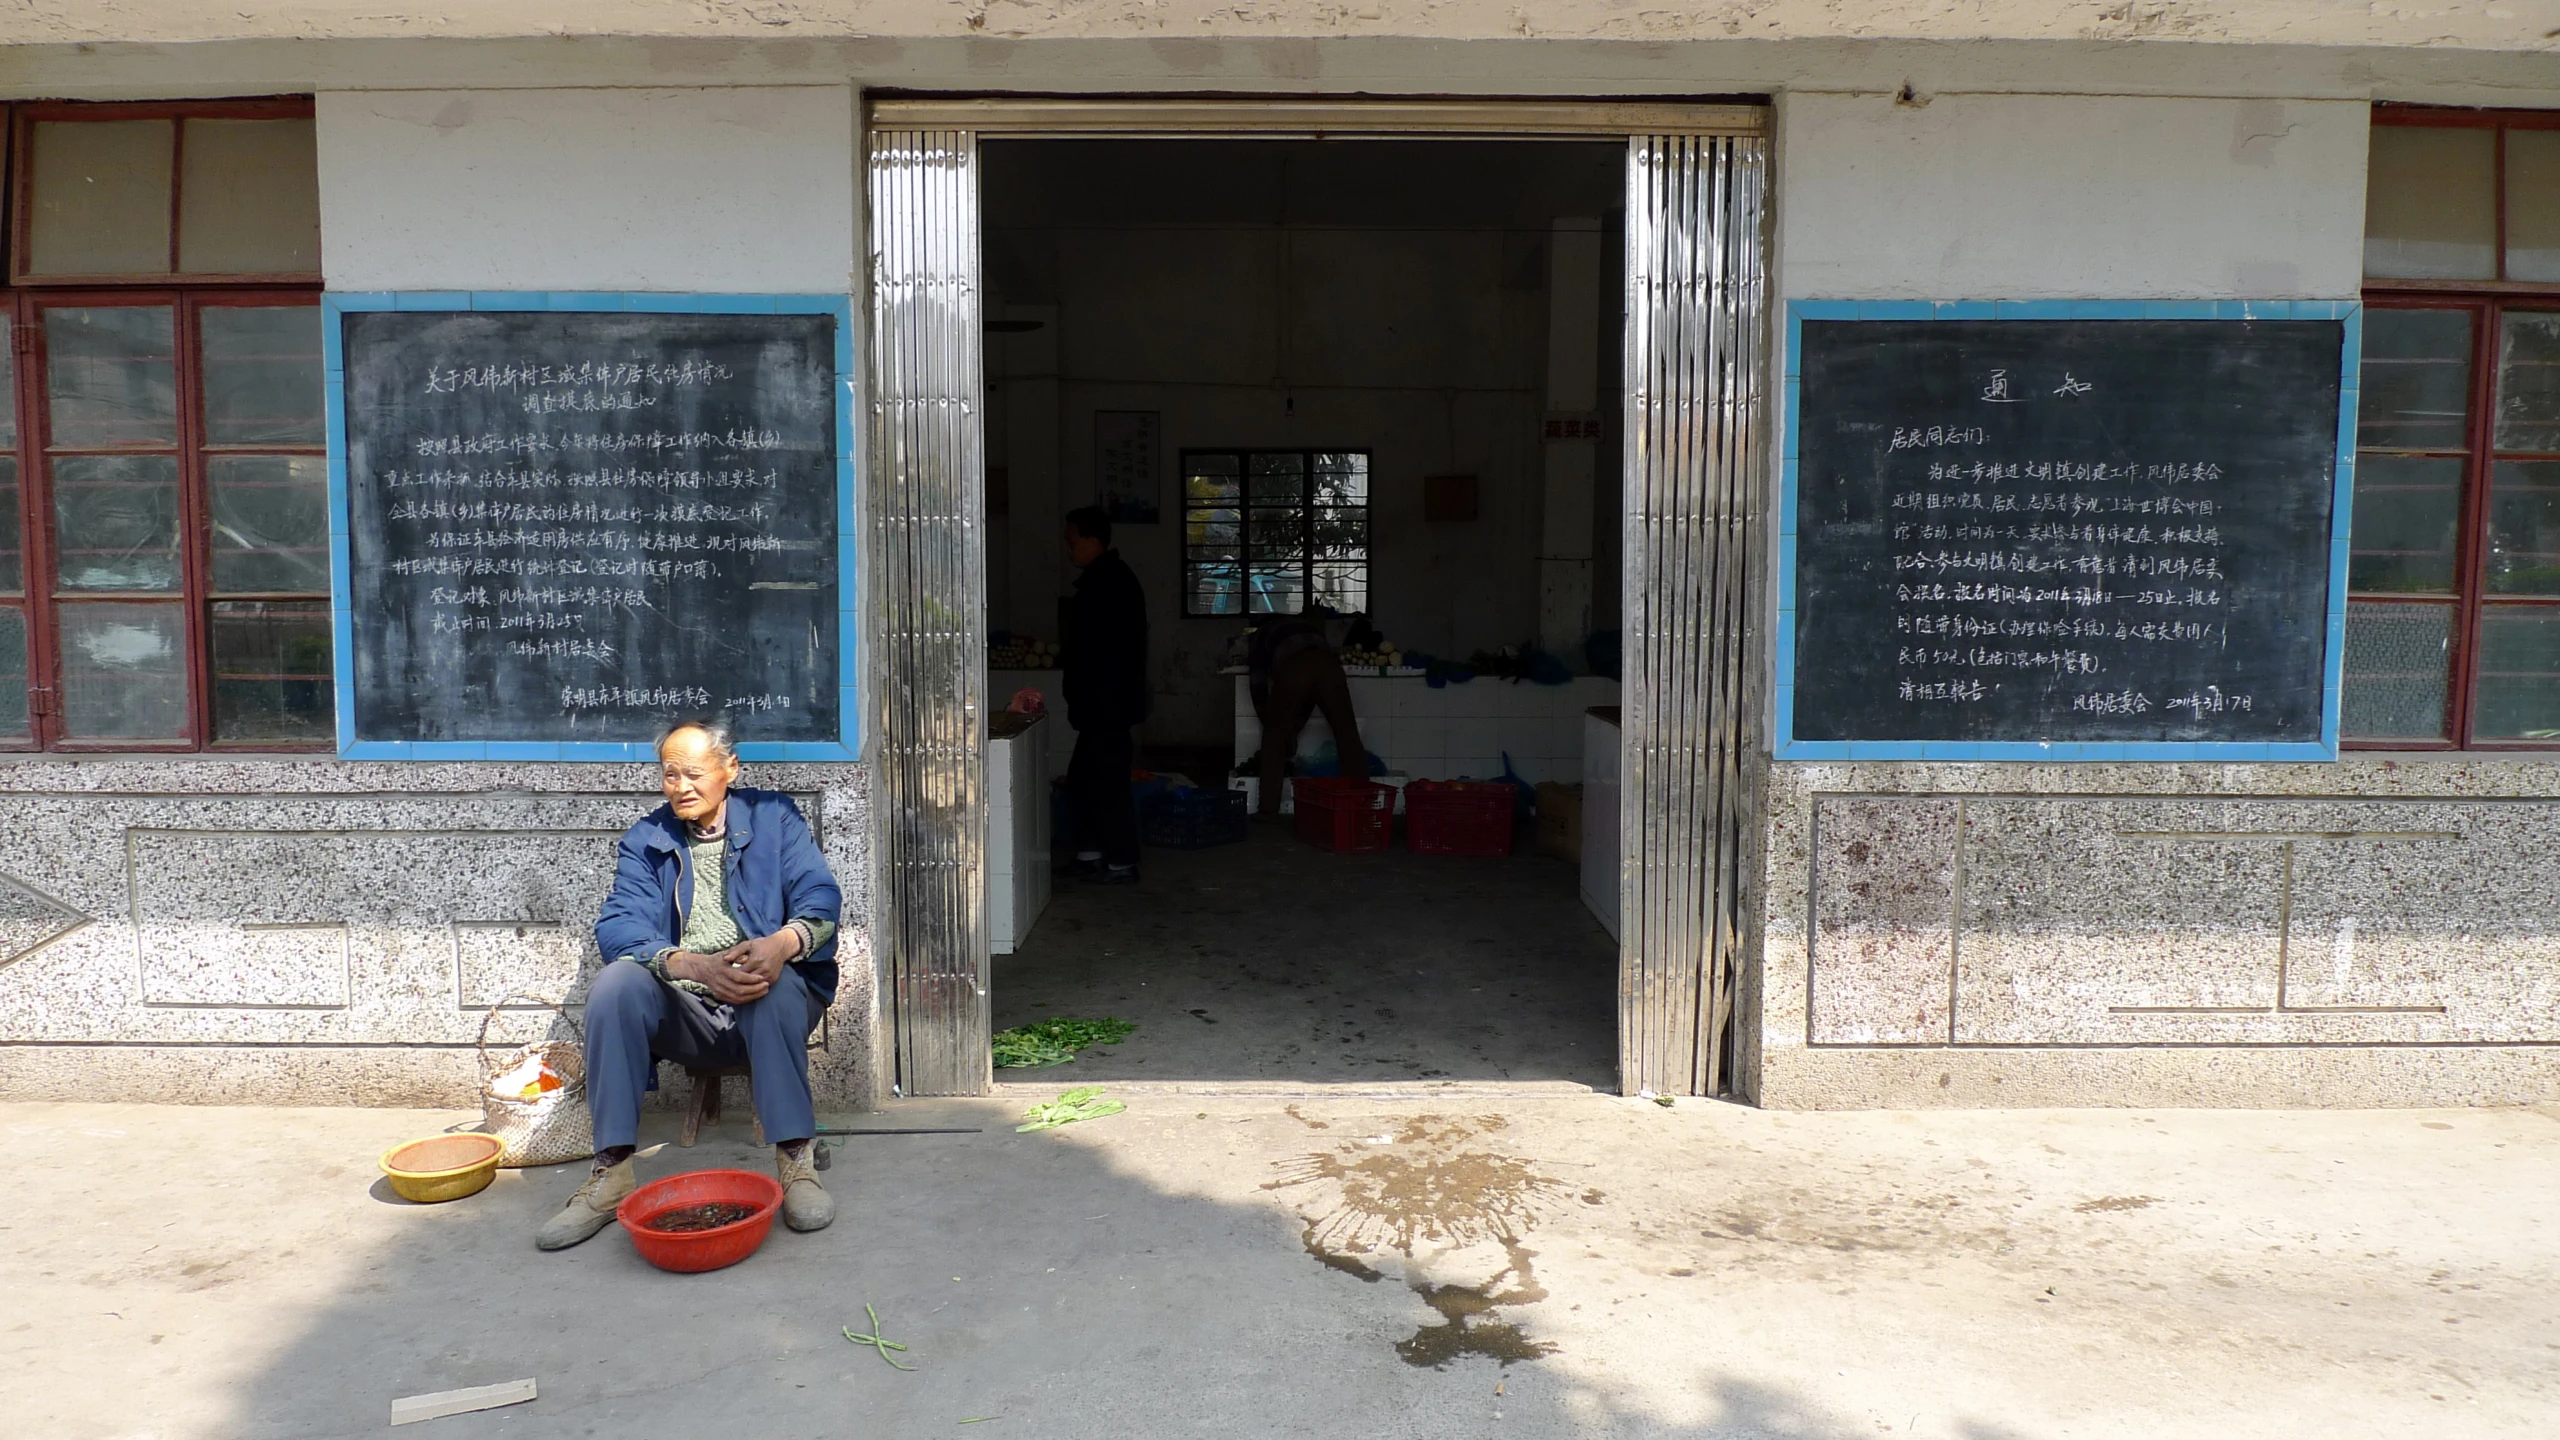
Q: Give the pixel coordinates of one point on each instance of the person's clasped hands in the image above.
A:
(744, 971)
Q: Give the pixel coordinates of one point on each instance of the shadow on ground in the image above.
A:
(1374, 1285)
(1276, 961)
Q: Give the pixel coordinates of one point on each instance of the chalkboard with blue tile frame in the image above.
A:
(569, 527)
(2110, 535)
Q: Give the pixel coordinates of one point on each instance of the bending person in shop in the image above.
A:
(1293, 671)
(1106, 694)
(722, 931)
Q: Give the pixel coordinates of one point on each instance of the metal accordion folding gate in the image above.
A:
(1696, 341)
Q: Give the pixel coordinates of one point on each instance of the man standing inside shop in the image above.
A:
(1106, 693)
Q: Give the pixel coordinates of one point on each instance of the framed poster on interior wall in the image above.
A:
(560, 523)
(2065, 530)
(1128, 446)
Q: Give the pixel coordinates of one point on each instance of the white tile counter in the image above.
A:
(1017, 833)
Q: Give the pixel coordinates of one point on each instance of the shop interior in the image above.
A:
(1376, 381)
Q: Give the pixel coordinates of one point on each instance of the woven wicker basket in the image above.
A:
(551, 1129)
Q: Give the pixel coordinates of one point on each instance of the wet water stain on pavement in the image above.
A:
(1422, 1184)
(1349, 1265)
(1466, 1313)
(1394, 1192)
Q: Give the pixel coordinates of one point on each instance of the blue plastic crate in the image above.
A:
(1193, 819)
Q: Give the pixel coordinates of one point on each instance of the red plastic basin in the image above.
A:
(691, 1250)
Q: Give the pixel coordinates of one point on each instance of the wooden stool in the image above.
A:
(705, 1105)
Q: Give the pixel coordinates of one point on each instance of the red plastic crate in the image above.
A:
(1344, 814)
(1459, 817)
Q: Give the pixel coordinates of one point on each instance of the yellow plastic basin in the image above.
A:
(442, 1167)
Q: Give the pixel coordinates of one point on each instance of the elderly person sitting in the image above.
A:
(720, 938)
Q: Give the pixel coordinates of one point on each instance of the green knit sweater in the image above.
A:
(710, 926)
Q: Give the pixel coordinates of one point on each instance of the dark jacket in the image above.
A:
(776, 874)
(1106, 647)
(1275, 640)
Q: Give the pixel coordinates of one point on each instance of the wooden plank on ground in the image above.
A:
(410, 1409)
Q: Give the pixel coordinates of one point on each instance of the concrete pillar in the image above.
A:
(1572, 445)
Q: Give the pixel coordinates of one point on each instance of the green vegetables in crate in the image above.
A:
(1054, 1042)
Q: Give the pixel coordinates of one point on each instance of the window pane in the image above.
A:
(262, 374)
(1277, 479)
(2416, 380)
(124, 672)
(13, 673)
(1276, 592)
(271, 676)
(1342, 479)
(1216, 589)
(115, 522)
(249, 201)
(101, 190)
(2430, 209)
(2397, 658)
(2519, 696)
(1211, 527)
(1211, 478)
(2529, 380)
(270, 523)
(2406, 510)
(1344, 585)
(13, 569)
(2533, 204)
(1277, 534)
(2524, 528)
(1341, 533)
(111, 375)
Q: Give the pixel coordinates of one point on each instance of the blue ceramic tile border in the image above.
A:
(2341, 526)
(336, 304)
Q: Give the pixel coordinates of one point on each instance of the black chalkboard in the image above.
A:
(577, 526)
(2064, 531)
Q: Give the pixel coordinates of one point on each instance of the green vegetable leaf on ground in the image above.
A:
(1083, 1103)
(1054, 1042)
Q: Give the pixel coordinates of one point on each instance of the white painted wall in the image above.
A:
(2008, 197)
(748, 189)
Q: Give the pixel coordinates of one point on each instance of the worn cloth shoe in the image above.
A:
(590, 1209)
(806, 1205)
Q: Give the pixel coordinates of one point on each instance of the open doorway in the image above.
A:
(1691, 528)
(1373, 383)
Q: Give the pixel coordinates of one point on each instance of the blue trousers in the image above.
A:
(634, 1018)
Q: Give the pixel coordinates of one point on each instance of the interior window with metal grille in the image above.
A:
(2453, 580)
(1274, 532)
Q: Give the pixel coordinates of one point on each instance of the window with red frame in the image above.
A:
(164, 537)
(2453, 611)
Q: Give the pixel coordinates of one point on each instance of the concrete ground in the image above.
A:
(1466, 1266)
(1274, 961)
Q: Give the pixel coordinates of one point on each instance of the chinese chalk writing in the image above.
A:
(2108, 579)
(580, 526)
(2059, 532)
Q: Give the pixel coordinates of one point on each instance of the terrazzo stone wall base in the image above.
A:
(201, 930)
(2372, 932)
